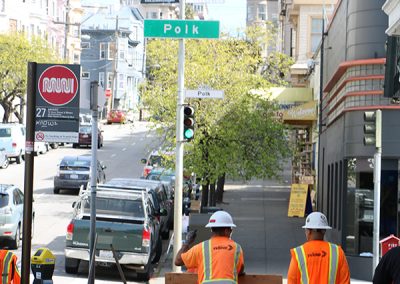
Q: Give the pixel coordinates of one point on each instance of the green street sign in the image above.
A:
(181, 29)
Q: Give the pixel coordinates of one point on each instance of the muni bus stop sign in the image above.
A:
(57, 103)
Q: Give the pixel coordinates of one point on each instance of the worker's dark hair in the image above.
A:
(219, 230)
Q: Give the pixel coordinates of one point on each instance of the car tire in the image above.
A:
(17, 238)
(5, 164)
(71, 265)
(18, 159)
(56, 190)
(144, 276)
(158, 251)
(98, 145)
(74, 145)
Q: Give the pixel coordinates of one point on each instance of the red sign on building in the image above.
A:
(389, 243)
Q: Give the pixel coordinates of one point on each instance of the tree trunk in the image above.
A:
(219, 196)
(7, 112)
(204, 193)
(212, 194)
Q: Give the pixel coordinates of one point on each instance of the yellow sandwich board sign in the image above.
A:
(298, 199)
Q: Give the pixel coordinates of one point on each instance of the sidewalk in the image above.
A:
(266, 234)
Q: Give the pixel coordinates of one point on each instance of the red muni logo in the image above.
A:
(58, 85)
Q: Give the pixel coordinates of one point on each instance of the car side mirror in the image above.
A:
(103, 167)
(143, 161)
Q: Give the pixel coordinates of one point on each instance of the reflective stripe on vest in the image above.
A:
(235, 263)
(302, 263)
(6, 267)
(207, 263)
(333, 263)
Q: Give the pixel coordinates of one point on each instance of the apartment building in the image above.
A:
(113, 53)
(353, 77)
(47, 19)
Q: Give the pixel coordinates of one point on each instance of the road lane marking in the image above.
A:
(113, 155)
(123, 149)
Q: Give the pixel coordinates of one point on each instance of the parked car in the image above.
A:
(156, 159)
(162, 204)
(41, 148)
(11, 214)
(74, 171)
(85, 136)
(12, 139)
(116, 116)
(126, 220)
(3, 159)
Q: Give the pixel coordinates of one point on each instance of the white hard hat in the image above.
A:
(220, 219)
(316, 220)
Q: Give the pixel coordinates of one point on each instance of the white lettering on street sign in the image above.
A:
(204, 94)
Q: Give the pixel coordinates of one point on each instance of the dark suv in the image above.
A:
(162, 204)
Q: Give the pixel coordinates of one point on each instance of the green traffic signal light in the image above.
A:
(188, 123)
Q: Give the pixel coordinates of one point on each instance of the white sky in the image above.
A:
(231, 14)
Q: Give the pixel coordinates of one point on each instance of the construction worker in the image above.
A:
(217, 260)
(318, 261)
(9, 269)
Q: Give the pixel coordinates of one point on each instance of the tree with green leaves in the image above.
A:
(238, 136)
(16, 50)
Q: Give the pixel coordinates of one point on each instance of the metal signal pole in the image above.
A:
(179, 144)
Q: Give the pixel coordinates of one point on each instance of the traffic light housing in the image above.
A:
(188, 123)
(372, 128)
(392, 68)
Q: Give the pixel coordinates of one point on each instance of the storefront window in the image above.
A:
(359, 212)
(359, 206)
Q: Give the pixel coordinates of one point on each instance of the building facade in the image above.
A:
(46, 19)
(113, 53)
(353, 76)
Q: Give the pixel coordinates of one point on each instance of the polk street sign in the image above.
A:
(181, 29)
(204, 94)
(57, 103)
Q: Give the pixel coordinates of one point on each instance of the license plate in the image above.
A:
(107, 254)
(73, 176)
(85, 136)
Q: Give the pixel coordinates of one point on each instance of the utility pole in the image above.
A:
(115, 68)
(179, 144)
(377, 186)
(67, 8)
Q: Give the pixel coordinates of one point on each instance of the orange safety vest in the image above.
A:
(318, 262)
(217, 260)
(9, 269)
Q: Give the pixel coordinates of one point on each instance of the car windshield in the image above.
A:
(3, 200)
(166, 177)
(5, 132)
(76, 165)
(85, 129)
(117, 207)
(156, 161)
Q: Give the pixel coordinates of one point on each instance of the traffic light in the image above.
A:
(392, 68)
(188, 123)
(372, 128)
